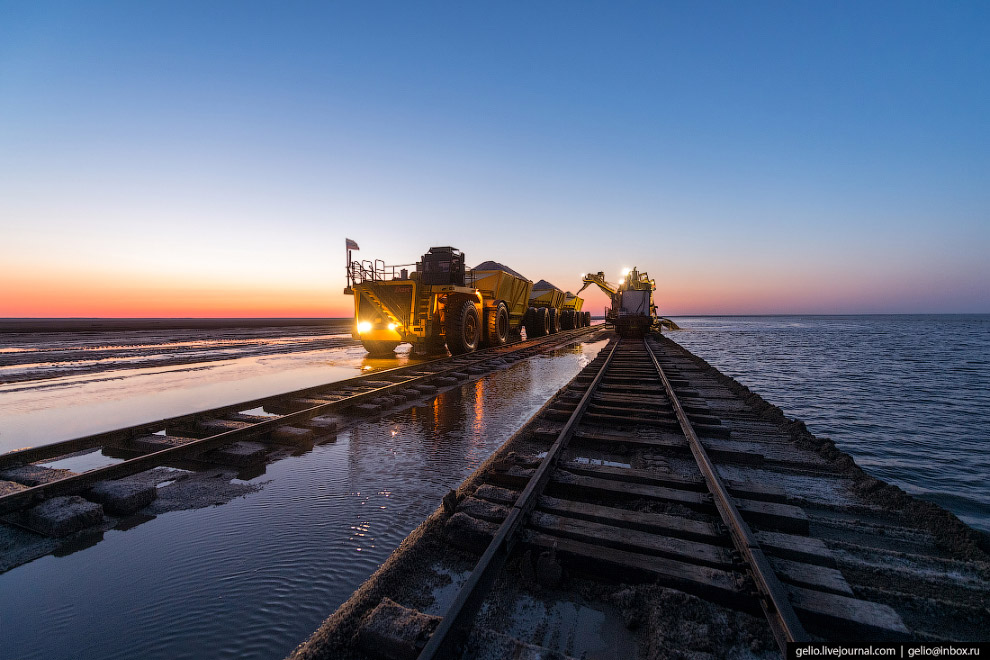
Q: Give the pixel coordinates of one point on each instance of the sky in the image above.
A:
(208, 159)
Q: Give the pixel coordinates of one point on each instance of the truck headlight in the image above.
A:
(364, 326)
(391, 326)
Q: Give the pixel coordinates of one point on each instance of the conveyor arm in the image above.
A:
(598, 279)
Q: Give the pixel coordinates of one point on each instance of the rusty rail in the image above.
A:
(772, 596)
(451, 631)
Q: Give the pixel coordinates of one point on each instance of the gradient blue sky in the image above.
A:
(208, 159)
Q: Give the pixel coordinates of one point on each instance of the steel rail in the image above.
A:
(772, 596)
(453, 628)
(78, 482)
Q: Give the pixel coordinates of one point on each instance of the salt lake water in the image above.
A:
(907, 396)
(254, 577)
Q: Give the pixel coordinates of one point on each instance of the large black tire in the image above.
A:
(567, 319)
(587, 319)
(380, 349)
(533, 323)
(554, 314)
(463, 328)
(498, 326)
(543, 321)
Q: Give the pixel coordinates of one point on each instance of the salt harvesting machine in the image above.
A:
(439, 301)
(633, 312)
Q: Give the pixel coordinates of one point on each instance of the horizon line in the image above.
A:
(340, 318)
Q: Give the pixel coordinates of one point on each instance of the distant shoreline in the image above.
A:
(104, 325)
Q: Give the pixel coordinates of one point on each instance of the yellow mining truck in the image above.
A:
(438, 303)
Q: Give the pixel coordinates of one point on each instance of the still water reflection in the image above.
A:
(53, 409)
(253, 578)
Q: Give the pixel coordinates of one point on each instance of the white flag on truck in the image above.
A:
(351, 245)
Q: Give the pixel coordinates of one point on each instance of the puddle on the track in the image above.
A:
(577, 630)
(256, 576)
(83, 462)
(444, 594)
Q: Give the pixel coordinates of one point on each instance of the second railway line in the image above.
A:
(58, 502)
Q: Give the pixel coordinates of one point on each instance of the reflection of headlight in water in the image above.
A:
(391, 326)
(364, 326)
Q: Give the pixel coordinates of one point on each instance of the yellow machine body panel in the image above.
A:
(498, 285)
(404, 310)
(385, 310)
(573, 302)
(550, 298)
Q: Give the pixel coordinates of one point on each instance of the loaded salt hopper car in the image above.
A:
(545, 303)
(439, 303)
(506, 294)
(552, 310)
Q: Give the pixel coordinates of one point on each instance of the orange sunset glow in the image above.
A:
(121, 297)
(680, 291)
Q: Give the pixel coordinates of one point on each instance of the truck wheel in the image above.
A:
(463, 329)
(567, 320)
(498, 325)
(380, 349)
(543, 321)
(554, 314)
(532, 323)
(587, 319)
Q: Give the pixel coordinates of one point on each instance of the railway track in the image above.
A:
(630, 364)
(648, 483)
(57, 502)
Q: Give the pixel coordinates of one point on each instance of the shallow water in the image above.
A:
(907, 396)
(59, 408)
(255, 577)
(33, 356)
